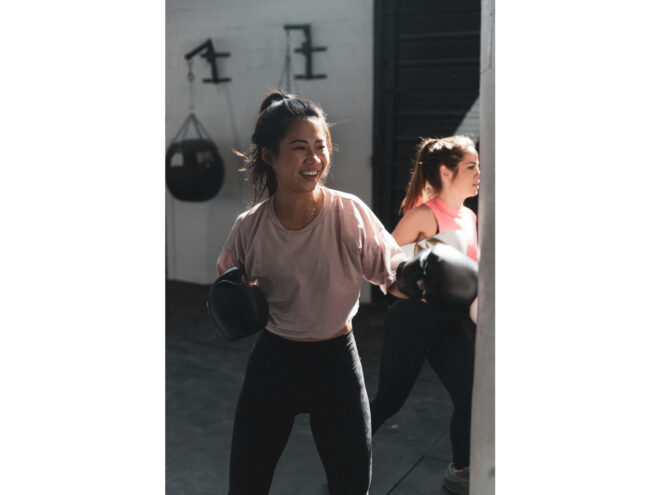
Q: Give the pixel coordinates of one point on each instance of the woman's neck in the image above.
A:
(451, 197)
(296, 210)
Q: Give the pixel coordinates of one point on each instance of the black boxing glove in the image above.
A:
(442, 275)
(235, 308)
(450, 279)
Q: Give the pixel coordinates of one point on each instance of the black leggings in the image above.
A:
(285, 378)
(413, 333)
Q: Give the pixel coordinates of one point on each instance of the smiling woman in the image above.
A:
(280, 115)
(302, 162)
(305, 360)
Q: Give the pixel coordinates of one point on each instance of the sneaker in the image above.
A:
(457, 482)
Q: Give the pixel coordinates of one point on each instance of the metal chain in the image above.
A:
(286, 71)
(287, 62)
(191, 76)
(191, 79)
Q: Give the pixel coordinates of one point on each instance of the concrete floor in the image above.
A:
(203, 379)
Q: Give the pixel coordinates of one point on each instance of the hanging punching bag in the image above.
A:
(194, 170)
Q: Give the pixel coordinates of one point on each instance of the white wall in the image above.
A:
(252, 30)
(470, 125)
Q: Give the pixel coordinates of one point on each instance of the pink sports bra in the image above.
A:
(462, 221)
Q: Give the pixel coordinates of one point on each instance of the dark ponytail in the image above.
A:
(272, 97)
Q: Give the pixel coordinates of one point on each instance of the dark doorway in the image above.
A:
(426, 68)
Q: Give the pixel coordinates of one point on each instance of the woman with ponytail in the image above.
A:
(445, 174)
(307, 248)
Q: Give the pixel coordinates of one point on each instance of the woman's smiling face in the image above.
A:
(303, 157)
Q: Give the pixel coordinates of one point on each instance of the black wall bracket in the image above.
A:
(306, 49)
(210, 55)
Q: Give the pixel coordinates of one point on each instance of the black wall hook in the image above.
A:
(306, 49)
(210, 55)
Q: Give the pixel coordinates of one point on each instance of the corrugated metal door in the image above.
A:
(426, 82)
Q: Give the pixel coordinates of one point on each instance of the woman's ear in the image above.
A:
(445, 172)
(267, 156)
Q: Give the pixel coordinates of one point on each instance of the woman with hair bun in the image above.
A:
(308, 248)
(445, 174)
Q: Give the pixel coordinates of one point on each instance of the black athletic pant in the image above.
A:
(285, 378)
(414, 332)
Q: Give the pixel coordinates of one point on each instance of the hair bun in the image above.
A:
(271, 98)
